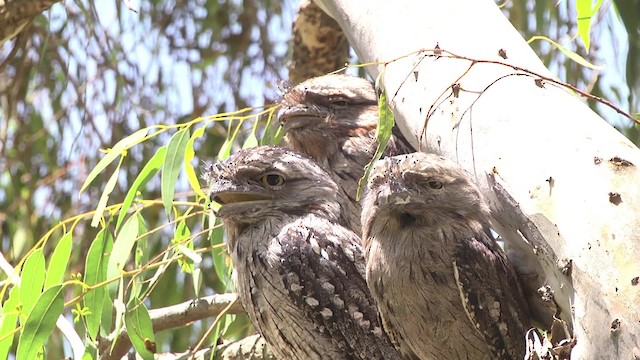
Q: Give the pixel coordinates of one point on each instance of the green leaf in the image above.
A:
(583, 8)
(10, 315)
(156, 276)
(239, 326)
(584, 14)
(171, 167)
(197, 281)
(40, 323)
(277, 138)
(122, 246)
(141, 257)
(251, 141)
(121, 309)
(188, 156)
(108, 304)
(225, 149)
(113, 153)
(96, 272)
(184, 246)
(383, 134)
(385, 124)
(32, 274)
(102, 203)
(59, 261)
(140, 330)
(219, 255)
(570, 54)
(217, 332)
(149, 171)
(90, 351)
(273, 132)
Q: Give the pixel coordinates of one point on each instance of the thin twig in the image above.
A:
(174, 316)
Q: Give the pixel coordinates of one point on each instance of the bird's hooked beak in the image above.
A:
(231, 197)
(392, 193)
(297, 117)
(239, 202)
(225, 193)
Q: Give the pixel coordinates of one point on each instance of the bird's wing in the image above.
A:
(398, 341)
(323, 271)
(491, 295)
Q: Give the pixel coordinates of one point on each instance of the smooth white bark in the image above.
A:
(561, 163)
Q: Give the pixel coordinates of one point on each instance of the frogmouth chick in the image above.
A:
(299, 274)
(333, 119)
(443, 286)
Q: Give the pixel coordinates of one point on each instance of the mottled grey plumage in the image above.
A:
(299, 274)
(333, 119)
(443, 286)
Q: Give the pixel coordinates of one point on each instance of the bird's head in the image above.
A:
(257, 183)
(421, 189)
(327, 108)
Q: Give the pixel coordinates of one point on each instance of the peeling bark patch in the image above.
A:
(566, 268)
(546, 293)
(597, 160)
(615, 326)
(635, 281)
(618, 161)
(615, 198)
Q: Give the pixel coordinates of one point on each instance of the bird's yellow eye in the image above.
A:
(272, 180)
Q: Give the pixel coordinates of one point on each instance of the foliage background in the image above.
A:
(85, 75)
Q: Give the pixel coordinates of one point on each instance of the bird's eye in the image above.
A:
(435, 184)
(338, 101)
(272, 180)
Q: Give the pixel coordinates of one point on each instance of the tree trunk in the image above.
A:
(319, 44)
(562, 183)
(16, 14)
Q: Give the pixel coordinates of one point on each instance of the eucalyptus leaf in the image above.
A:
(150, 169)
(32, 280)
(113, 153)
(95, 273)
(171, 167)
(40, 323)
(59, 260)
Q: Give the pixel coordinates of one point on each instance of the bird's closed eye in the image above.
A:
(339, 101)
(434, 184)
(272, 180)
(422, 179)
